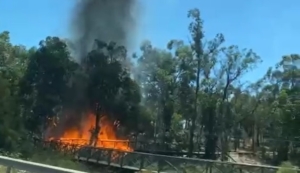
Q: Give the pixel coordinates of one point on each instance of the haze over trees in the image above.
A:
(188, 96)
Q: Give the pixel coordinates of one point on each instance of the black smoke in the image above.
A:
(102, 20)
(105, 20)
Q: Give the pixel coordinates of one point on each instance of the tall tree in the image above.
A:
(45, 82)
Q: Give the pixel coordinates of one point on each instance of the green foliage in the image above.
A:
(56, 159)
(286, 167)
(45, 81)
(10, 124)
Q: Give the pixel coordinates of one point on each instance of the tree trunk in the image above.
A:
(224, 146)
(258, 137)
(210, 135)
(283, 151)
(223, 129)
(97, 127)
(254, 137)
(191, 137)
(96, 130)
(199, 53)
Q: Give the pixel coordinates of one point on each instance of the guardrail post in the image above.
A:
(159, 164)
(142, 162)
(109, 157)
(122, 159)
(8, 169)
(90, 150)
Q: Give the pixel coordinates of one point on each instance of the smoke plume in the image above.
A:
(105, 20)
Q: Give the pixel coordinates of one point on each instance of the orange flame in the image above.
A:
(106, 138)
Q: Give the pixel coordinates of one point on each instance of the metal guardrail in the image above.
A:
(32, 167)
(139, 161)
(160, 163)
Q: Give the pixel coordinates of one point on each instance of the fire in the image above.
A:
(106, 138)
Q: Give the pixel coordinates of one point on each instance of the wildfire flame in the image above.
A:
(107, 137)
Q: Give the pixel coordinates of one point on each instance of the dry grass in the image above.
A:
(3, 169)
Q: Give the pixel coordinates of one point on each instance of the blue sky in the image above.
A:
(270, 28)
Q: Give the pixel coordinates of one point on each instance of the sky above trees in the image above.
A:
(270, 27)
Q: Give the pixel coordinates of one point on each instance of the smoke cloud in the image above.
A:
(105, 20)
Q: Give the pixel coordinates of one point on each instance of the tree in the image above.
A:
(158, 79)
(11, 68)
(110, 90)
(203, 63)
(45, 81)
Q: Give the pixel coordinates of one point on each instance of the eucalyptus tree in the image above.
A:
(203, 63)
(283, 89)
(45, 82)
(12, 65)
(110, 90)
(158, 78)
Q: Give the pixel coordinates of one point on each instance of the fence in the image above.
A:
(204, 166)
(160, 163)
